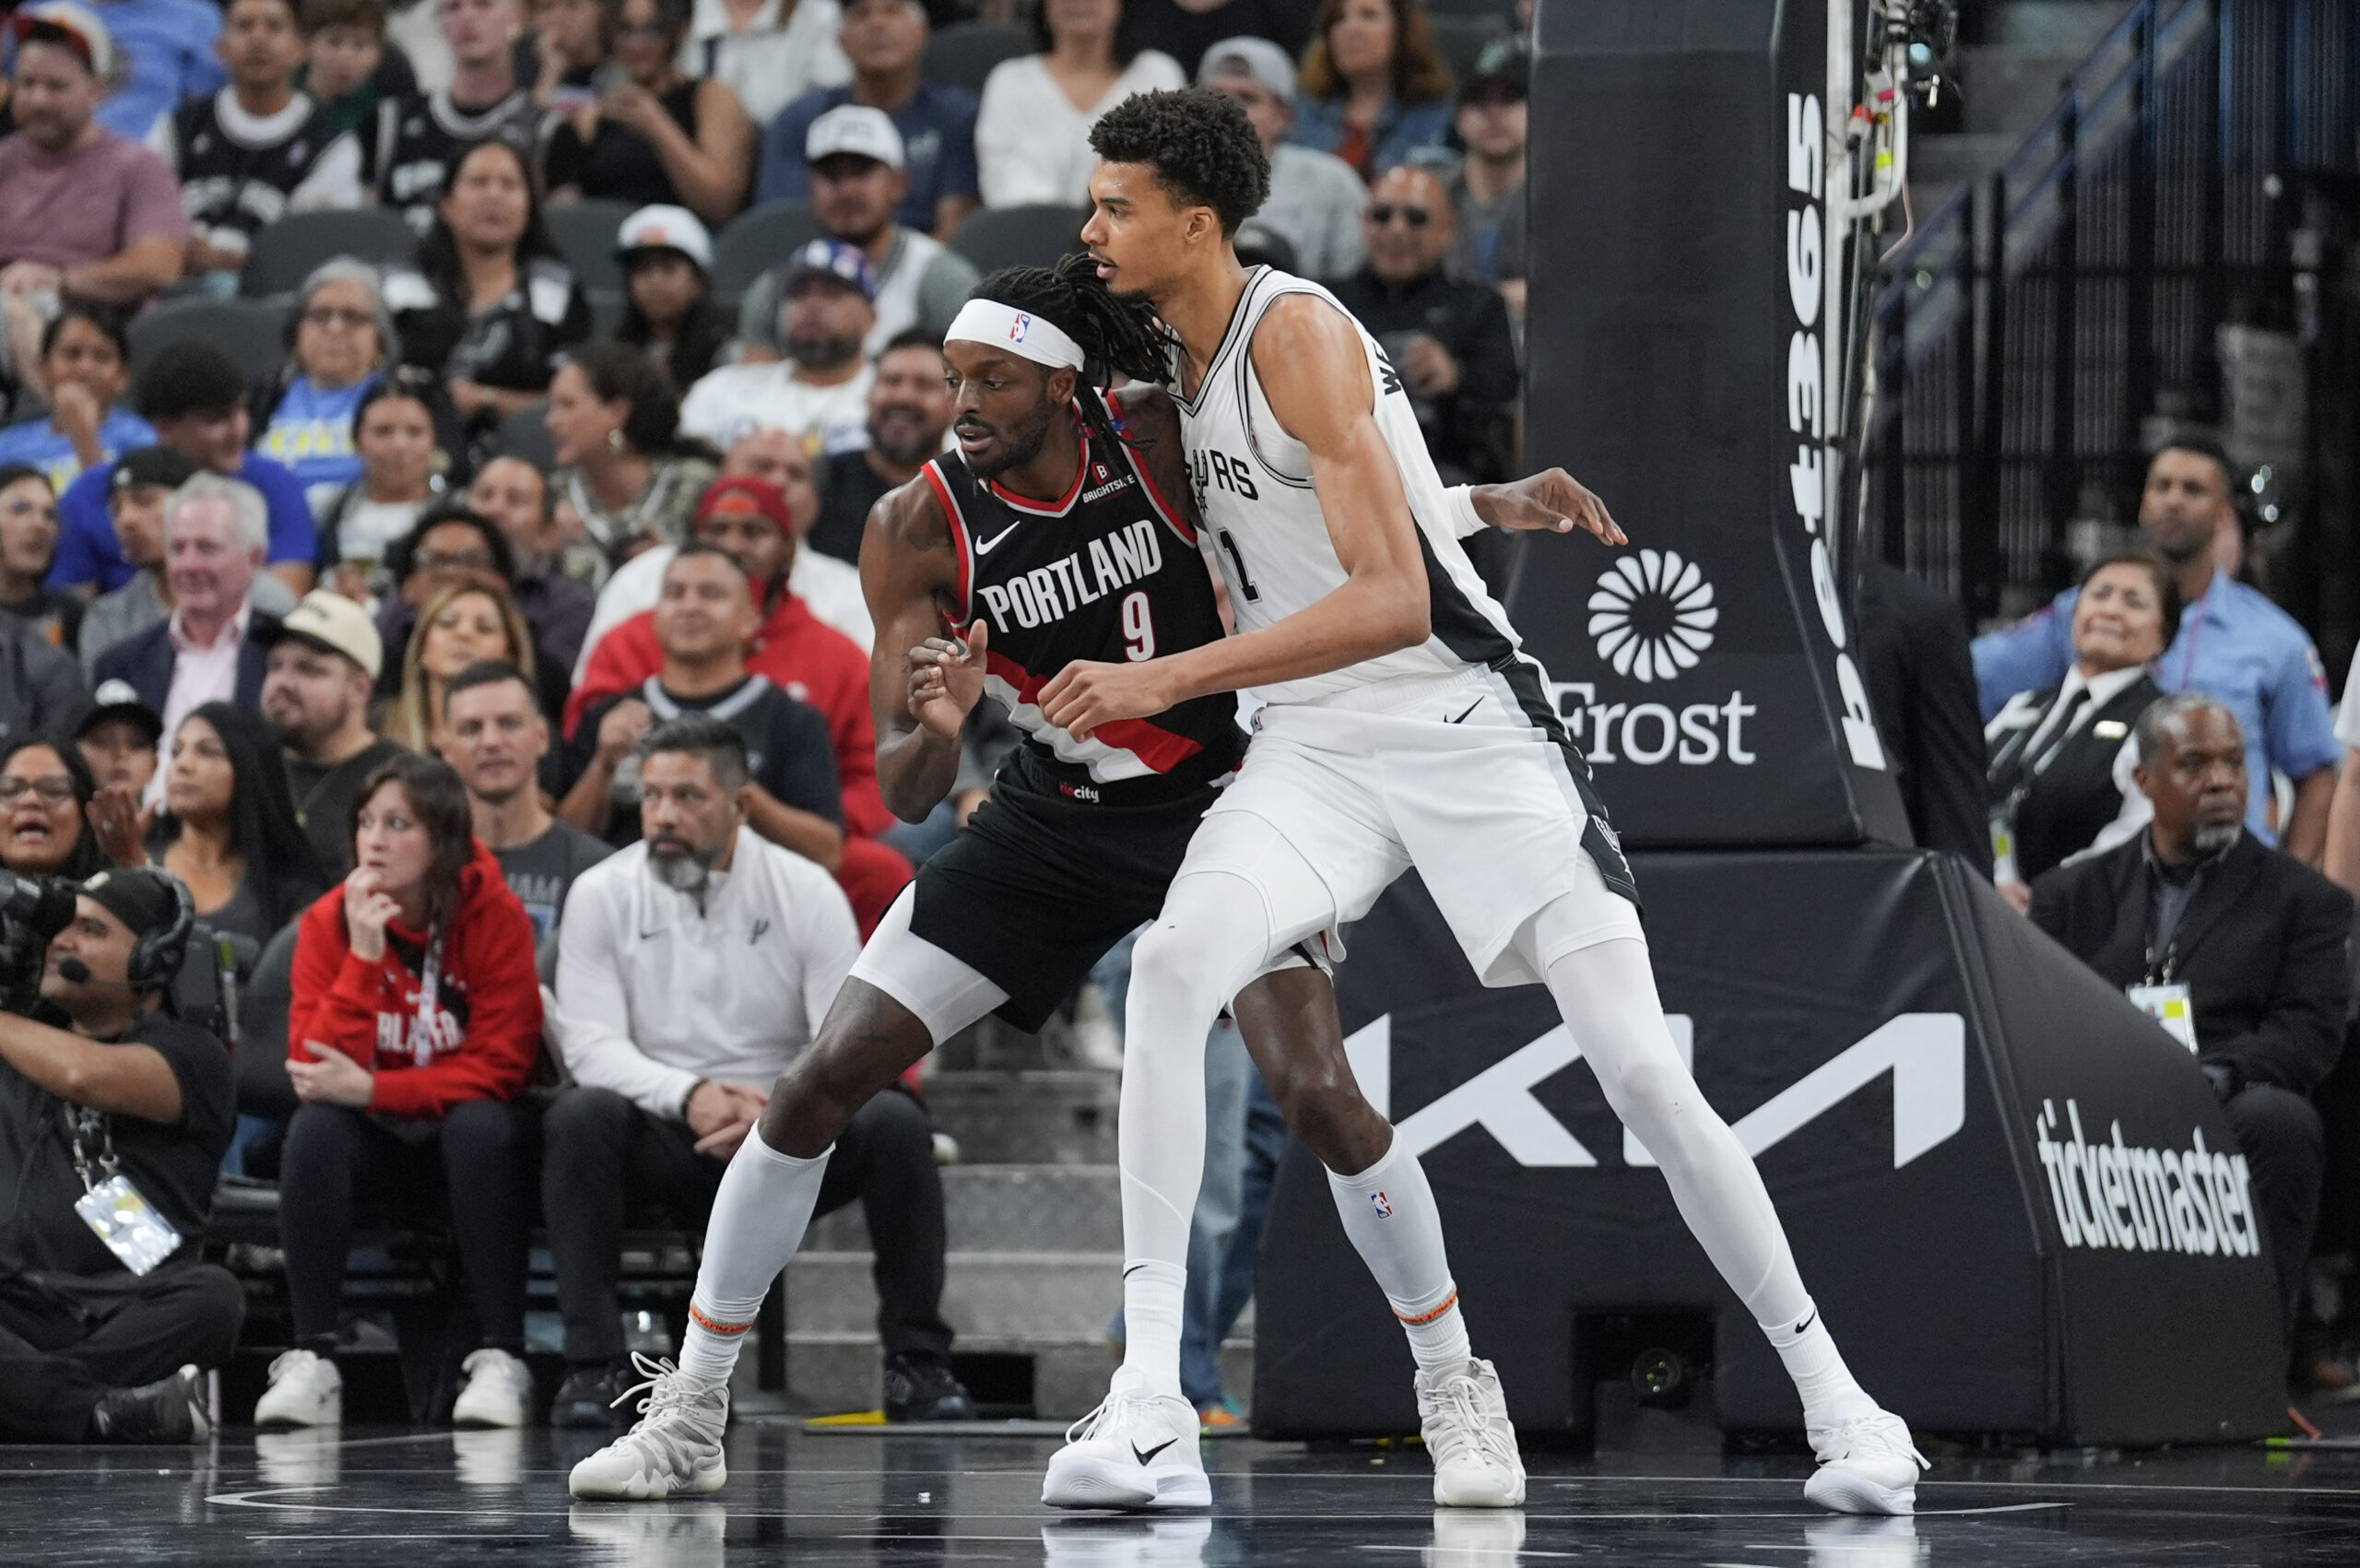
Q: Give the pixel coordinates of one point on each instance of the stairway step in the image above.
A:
(1011, 1295)
(2010, 90)
(1041, 1116)
(846, 1371)
(1002, 1207)
(2055, 27)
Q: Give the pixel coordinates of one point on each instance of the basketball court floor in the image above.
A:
(384, 1497)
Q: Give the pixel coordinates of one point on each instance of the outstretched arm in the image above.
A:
(1316, 375)
(922, 685)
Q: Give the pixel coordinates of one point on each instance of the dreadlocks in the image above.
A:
(1119, 336)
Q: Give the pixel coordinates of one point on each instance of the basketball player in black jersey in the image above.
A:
(1061, 531)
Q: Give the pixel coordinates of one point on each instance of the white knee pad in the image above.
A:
(1295, 900)
(1212, 936)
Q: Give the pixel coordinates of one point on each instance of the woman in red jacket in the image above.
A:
(417, 1017)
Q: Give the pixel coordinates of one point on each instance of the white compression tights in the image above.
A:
(1210, 939)
(1607, 995)
(1213, 938)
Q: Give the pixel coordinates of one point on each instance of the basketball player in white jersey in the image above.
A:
(1402, 728)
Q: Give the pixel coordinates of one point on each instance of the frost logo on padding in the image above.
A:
(1653, 614)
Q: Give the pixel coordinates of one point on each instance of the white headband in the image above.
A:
(1019, 332)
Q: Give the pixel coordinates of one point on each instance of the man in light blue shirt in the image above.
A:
(167, 50)
(2234, 645)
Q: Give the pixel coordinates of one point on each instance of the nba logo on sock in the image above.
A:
(1383, 1208)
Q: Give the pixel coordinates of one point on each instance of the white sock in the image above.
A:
(1154, 1298)
(1829, 1392)
(759, 1218)
(1389, 1215)
(1207, 942)
(1607, 995)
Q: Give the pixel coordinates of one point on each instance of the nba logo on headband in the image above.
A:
(1016, 332)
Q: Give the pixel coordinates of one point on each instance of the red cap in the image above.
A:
(768, 498)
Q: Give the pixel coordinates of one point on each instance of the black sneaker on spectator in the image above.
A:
(591, 1396)
(921, 1389)
(170, 1410)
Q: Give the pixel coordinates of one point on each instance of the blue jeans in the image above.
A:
(1266, 1142)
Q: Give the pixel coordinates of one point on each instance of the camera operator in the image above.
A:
(110, 1130)
(45, 795)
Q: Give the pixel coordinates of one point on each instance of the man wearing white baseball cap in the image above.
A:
(83, 210)
(666, 257)
(857, 170)
(1315, 199)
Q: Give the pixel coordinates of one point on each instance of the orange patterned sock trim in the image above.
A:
(1448, 1303)
(733, 1329)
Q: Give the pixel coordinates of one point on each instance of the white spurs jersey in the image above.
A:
(1263, 525)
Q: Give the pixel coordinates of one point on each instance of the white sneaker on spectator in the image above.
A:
(306, 1390)
(1464, 1419)
(676, 1447)
(498, 1390)
(1866, 1464)
(1136, 1450)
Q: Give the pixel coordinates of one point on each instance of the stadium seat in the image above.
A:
(285, 253)
(995, 237)
(526, 434)
(251, 332)
(755, 242)
(965, 52)
(585, 233)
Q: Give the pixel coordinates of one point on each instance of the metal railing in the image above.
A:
(2029, 332)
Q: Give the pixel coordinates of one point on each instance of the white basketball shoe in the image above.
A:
(676, 1447)
(306, 1390)
(1464, 1419)
(1136, 1450)
(1866, 1464)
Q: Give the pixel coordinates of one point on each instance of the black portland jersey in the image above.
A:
(1109, 574)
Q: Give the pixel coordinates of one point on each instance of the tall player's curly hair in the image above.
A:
(1199, 143)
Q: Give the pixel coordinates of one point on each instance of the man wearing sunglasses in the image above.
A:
(1448, 337)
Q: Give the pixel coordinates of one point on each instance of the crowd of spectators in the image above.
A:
(463, 676)
(486, 746)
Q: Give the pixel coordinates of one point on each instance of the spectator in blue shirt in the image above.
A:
(884, 38)
(83, 359)
(193, 395)
(166, 47)
(2233, 645)
(342, 337)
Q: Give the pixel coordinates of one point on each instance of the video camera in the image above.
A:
(32, 911)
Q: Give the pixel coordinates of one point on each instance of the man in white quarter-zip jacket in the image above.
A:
(696, 965)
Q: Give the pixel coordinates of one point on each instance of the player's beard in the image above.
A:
(1019, 443)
